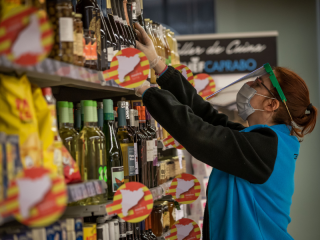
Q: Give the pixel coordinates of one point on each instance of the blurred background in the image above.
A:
(298, 26)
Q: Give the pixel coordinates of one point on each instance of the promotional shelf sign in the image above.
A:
(170, 142)
(26, 36)
(204, 84)
(132, 202)
(36, 198)
(129, 68)
(184, 229)
(185, 188)
(185, 71)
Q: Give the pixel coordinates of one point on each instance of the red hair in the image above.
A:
(296, 91)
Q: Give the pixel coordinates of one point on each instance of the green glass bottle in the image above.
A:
(127, 147)
(113, 151)
(91, 156)
(78, 117)
(82, 114)
(68, 136)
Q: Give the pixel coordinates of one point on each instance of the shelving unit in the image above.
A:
(69, 81)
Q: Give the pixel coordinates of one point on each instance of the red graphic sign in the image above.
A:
(26, 36)
(185, 71)
(129, 68)
(132, 202)
(185, 188)
(204, 84)
(184, 229)
(37, 197)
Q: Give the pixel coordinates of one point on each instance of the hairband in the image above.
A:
(310, 106)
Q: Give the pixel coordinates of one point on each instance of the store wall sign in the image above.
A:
(227, 53)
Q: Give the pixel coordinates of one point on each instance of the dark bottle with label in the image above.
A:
(155, 146)
(129, 231)
(131, 9)
(140, 14)
(122, 19)
(115, 171)
(119, 24)
(122, 229)
(117, 35)
(127, 21)
(134, 133)
(112, 37)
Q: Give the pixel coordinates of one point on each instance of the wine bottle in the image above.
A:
(152, 74)
(123, 40)
(125, 7)
(124, 24)
(156, 32)
(92, 158)
(129, 231)
(67, 135)
(155, 147)
(167, 46)
(78, 117)
(114, 161)
(140, 16)
(114, 27)
(170, 42)
(127, 147)
(100, 115)
(134, 133)
(175, 46)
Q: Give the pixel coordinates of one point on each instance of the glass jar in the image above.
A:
(60, 16)
(157, 220)
(79, 39)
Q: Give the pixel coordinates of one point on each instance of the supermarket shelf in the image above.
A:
(51, 73)
(79, 191)
(86, 211)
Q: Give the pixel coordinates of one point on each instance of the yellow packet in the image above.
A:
(18, 117)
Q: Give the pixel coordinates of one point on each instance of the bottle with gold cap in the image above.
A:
(170, 42)
(155, 31)
(92, 158)
(163, 37)
(153, 77)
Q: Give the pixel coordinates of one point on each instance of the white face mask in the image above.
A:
(243, 101)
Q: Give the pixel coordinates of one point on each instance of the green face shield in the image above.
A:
(233, 88)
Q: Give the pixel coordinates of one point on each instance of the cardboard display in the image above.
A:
(185, 71)
(185, 188)
(204, 84)
(184, 229)
(26, 36)
(170, 142)
(129, 68)
(36, 198)
(133, 202)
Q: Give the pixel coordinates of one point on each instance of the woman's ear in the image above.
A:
(271, 105)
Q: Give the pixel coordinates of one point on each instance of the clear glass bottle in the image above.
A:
(113, 151)
(160, 45)
(175, 46)
(170, 42)
(148, 27)
(68, 136)
(93, 164)
(127, 147)
(167, 46)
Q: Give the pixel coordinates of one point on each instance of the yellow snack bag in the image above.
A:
(18, 117)
(43, 115)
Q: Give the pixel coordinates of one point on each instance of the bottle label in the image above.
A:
(134, 11)
(116, 18)
(117, 177)
(155, 152)
(150, 144)
(115, 52)
(109, 116)
(79, 44)
(103, 173)
(136, 158)
(66, 29)
(131, 161)
(110, 54)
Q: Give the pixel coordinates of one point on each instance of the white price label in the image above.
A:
(90, 189)
(84, 191)
(76, 193)
(98, 187)
(180, 157)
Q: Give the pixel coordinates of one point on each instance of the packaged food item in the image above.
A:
(60, 15)
(18, 117)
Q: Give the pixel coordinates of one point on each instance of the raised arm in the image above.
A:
(250, 156)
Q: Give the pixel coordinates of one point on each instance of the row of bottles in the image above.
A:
(116, 152)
